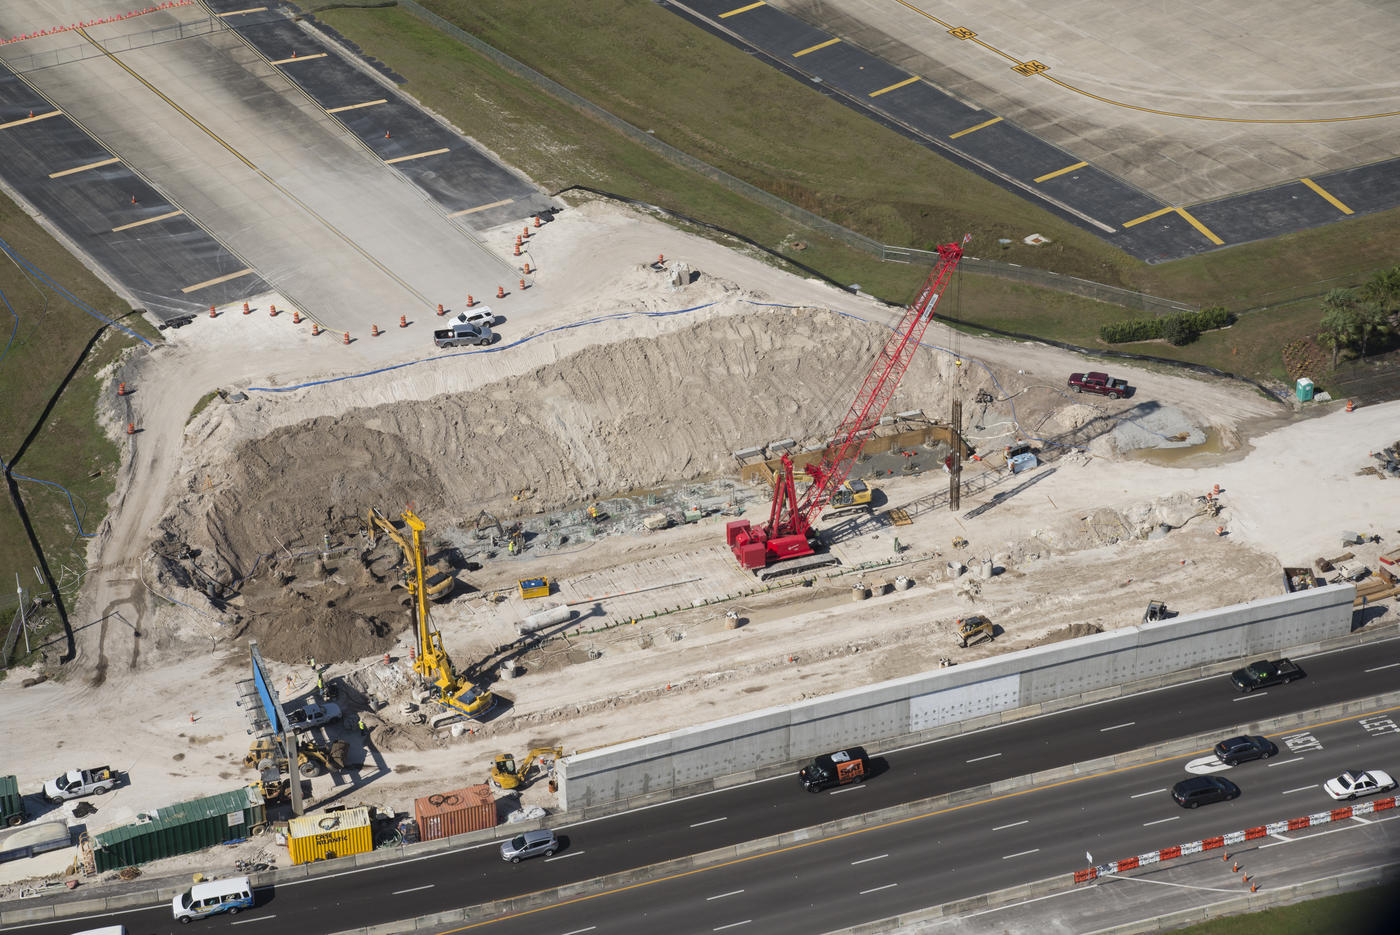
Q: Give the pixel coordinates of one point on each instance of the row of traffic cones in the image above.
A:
(1245, 878)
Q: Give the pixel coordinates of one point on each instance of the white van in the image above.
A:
(480, 315)
(207, 899)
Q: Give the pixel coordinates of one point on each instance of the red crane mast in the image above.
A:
(790, 520)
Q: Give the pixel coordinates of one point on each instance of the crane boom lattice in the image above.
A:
(790, 520)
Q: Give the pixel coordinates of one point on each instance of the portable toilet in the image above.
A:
(1303, 390)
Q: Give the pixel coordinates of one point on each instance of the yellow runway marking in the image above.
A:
(1059, 172)
(298, 58)
(159, 217)
(431, 152)
(893, 823)
(281, 189)
(982, 125)
(963, 33)
(214, 282)
(1148, 217)
(494, 204)
(91, 165)
(251, 9)
(1200, 227)
(895, 86)
(742, 9)
(336, 110)
(813, 48)
(23, 120)
(1327, 196)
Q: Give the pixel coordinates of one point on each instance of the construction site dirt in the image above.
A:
(247, 520)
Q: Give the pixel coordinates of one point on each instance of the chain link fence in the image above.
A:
(122, 42)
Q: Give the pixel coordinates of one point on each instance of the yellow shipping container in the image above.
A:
(323, 836)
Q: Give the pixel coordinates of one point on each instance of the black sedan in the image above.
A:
(1238, 750)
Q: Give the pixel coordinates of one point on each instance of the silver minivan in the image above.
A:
(529, 844)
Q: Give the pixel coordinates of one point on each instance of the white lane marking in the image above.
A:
(710, 822)
(1318, 834)
(1206, 764)
(1378, 668)
(1299, 789)
(563, 856)
(989, 756)
(1025, 821)
(877, 889)
(581, 931)
(1250, 695)
(722, 895)
(1364, 821)
(413, 890)
(1141, 794)
(1159, 821)
(1022, 854)
(850, 788)
(258, 919)
(1116, 726)
(866, 860)
(1281, 762)
(721, 928)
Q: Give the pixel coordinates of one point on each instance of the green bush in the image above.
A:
(1179, 329)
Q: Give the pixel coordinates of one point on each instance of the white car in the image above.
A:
(1356, 782)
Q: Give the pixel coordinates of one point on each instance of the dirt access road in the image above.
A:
(605, 395)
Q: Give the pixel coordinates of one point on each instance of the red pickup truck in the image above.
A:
(1100, 383)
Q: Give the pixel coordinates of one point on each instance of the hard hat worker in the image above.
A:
(363, 729)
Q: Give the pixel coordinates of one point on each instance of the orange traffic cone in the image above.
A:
(470, 300)
(272, 311)
(131, 428)
(500, 292)
(440, 311)
(527, 269)
(347, 338)
(374, 331)
(517, 247)
(386, 134)
(403, 321)
(522, 285)
(121, 389)
(296, 316)
(246, 309)
(315, 328)
(537, 220)
(212, 313)
(526, 232)
(660, 259)
(1351, 406)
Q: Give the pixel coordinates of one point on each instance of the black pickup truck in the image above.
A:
(1264, 673)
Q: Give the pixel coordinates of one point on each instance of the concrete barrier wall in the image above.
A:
(930, 701)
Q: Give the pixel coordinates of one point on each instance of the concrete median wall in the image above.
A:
(947, 701)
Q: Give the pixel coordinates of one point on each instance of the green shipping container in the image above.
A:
(180, 829)
(11, 802)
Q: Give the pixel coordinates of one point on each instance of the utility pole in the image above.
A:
(955, 465)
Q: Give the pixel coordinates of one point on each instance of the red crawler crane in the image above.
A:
(787, 534)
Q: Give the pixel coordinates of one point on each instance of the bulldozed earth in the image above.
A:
(257, 527)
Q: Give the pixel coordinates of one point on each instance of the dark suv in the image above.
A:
(1238, 750)
(1203, 790)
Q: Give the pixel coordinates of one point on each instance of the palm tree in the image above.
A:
(1339, 325)
(1372, 321)
(1383, 288)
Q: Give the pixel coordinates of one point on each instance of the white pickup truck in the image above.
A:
(80, 782)
(313, 715)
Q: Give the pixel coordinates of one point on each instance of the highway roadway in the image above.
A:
(960, 851)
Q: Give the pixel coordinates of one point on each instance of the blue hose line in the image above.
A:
(10, 252)
(13, 331)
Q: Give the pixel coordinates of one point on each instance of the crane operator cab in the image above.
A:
(835, 769)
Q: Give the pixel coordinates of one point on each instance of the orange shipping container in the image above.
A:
(448, 813)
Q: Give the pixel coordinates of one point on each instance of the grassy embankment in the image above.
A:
(711, 100)
(70, 448)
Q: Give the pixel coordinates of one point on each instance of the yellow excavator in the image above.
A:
(439, 578)
(454, 692)
(505, 774)
(854, 496)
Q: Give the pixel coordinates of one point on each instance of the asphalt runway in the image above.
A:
(1156, 197)
(203, 160)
